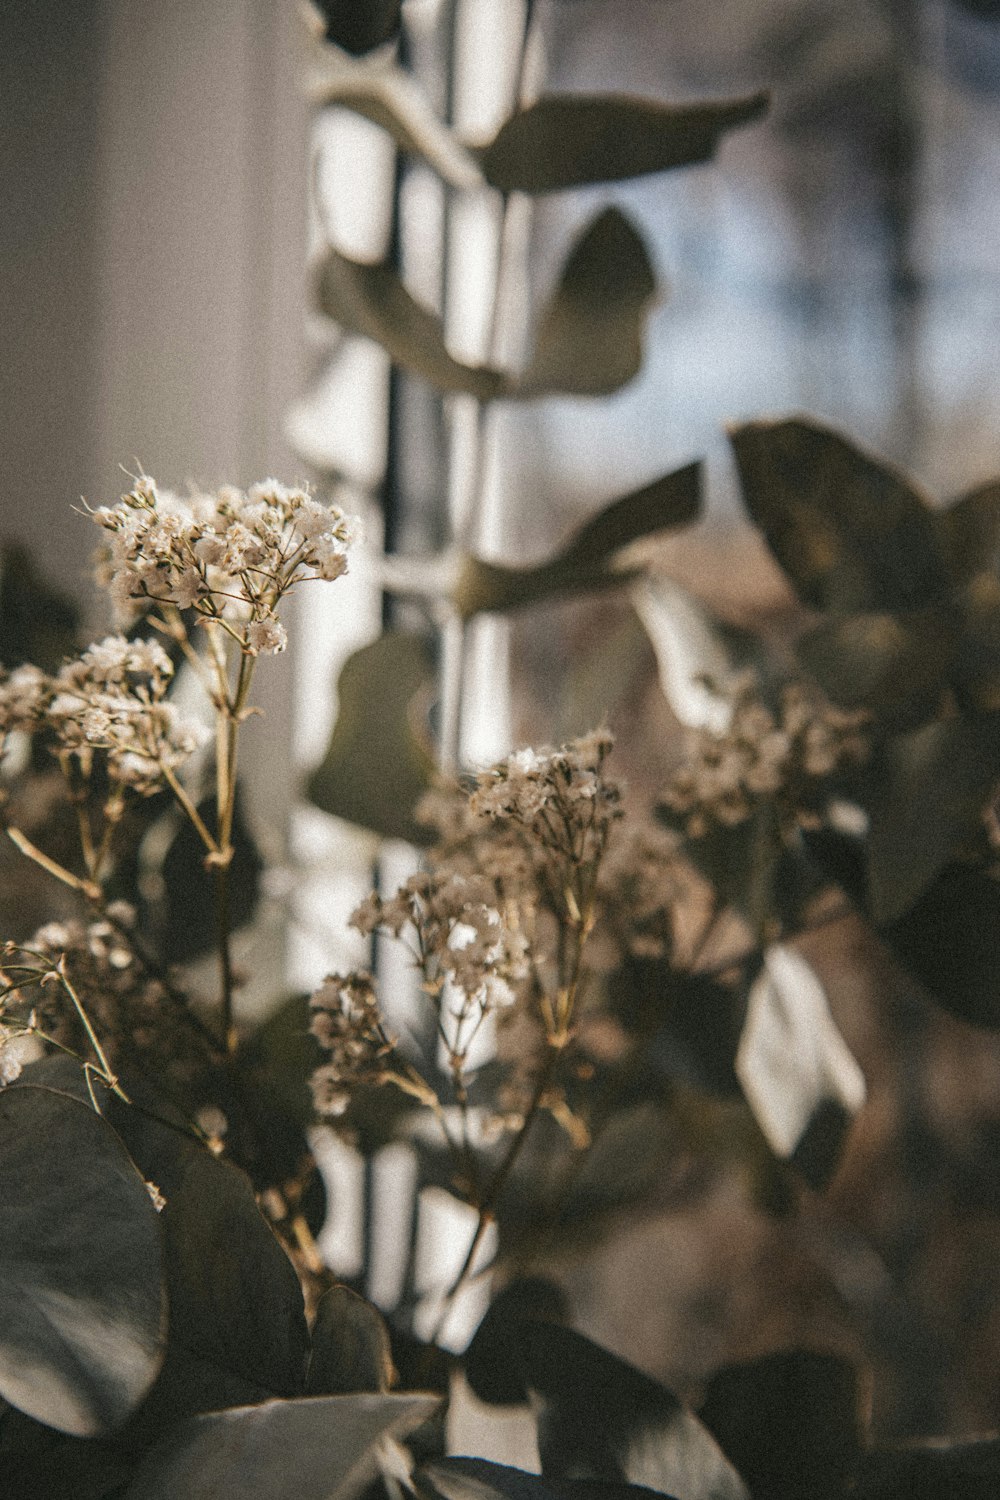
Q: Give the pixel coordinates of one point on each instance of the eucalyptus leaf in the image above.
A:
(797, 1072)
(383, 92)
(359, 28)
(492, 1362)
(975, 670)
(378, 764)
(37, 623)
(790, 1422)
(601, 1419)
(478, 1479)
(697, 658)
(590, 558)
(932, 787)
(969, 532)
(565, 141)
(235, 1298)
(894, 665)
(350, 1349)
(370, 300)
(82, 1309)
(589, 337)
(186, 917)
(315, 1448)
(852, 533)
(950, 941)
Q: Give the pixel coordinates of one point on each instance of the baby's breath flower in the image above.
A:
(782, 757)
(347, 1024)
(228, 556)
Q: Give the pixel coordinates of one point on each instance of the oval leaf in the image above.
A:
(82, 1308)
(350, 1347)
(589, 339)
(893, 665)
(566, 141)
(851, 532)
(790, 1422)
(695, 655)
(932, 789)
(969, 532)
(588, 561)
(492, 1362)
(318, 1448)
(600, 1418)
(950, 942)
(371, 301)
(797, 1072)
(376, 768)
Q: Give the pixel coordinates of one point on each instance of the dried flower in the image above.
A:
(781, 757)
(347, 1024)
(228, 556)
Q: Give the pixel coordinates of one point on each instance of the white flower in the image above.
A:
(266, 635)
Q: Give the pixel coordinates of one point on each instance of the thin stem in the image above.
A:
(107, 1075)
(88, 887)
(227, 745)
(192, 812)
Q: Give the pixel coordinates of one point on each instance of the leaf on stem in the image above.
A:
(316, 1448)
(851, 533)
(383, 92)
(379, 763)
(37, 624)
(893, 665)
(589, 338)
(969, 532)
(237, 1328)
(592, 557)
(350, 1351)
(566, 141)
(370, 300)
(187, 918)
(492, 1363)
(798, 1074)
(601, 1419)
(698, 657)
(790, 1422)
(931, 789)
(950, 941)
(82, 1308)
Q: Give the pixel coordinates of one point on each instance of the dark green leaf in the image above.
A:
(39, 1463)
(565, 141)
(969, 532)
(931, 791)
(359, 28)
(478, 1479)
(350, 1347)
(741, 862)
(851, 533)
(790, 1423)
(318, 1448)
(600, 1418)
(81, 1279)
(893, 665)
(975, 672)
(378, 763)
(235, 1299)
(950, 942)
(492, 1362)
(37, 624)
(795, 1068)
(956, 1471)
(371, 301)
(187, 919)
(589, 339)
(588, 559)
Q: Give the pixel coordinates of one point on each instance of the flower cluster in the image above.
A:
(347, 1024)
(460, 936)
(112, 698)
(129, 1009)
(229, 556)
(783, 757)
(643, 882)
